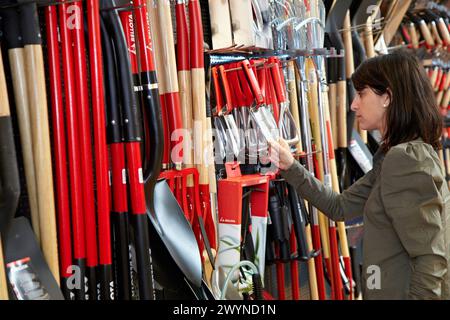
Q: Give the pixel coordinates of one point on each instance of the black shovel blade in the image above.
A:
(176, 233)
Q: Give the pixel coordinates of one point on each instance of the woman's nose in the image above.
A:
(354, 106)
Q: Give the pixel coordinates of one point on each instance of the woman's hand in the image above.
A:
(280, 154)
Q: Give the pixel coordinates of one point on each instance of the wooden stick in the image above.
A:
(293, 98)
(349, 62)
(34, 67)
(16, 60)
(368, 37)
(414, 36)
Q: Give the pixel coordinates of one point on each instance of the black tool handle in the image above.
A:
(299, 223)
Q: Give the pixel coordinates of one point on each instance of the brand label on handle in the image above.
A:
(141, 176)
(124, 176)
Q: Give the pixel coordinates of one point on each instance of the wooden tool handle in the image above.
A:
(426, 33)
(436, 34)
(167, 49)
(342, 114)
(332, 98)
(199, 108)
(16, 61)
(14, 43)
(348, 46)
(444, 31)
(368, 37)
(34, 67)
(414, 36)
(313, 288)
(293, 98)
(156, 35)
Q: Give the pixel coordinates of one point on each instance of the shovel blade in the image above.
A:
(175, 232)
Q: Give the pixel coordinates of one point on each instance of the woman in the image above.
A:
(404, 199)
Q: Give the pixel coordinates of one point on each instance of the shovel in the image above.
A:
(9, 175)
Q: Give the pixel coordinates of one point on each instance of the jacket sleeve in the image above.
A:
(410, 189)
(338, 207)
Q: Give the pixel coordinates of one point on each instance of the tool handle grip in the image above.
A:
(278, 80)
(253, 82)
(226, 88)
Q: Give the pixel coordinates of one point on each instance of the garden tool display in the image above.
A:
(59, 142)
(35, 76)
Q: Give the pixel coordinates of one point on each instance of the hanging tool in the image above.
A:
(100, 149)
(85, 143)
(9, 175)
(16, 60)
(59, 143)
(78, 226)
(29, 22)
(119, 214)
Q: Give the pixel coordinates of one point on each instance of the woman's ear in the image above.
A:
(387, 98)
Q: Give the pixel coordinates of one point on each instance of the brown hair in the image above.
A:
(413, 112)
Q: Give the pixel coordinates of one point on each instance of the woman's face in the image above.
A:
(370, 109)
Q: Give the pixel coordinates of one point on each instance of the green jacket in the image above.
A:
(406, 207)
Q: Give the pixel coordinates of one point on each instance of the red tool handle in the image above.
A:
(261, 75)
(195, 19)
(59, 142)
(278, 80)
(101, 152)
(143, 32)
(217, 90)
(226, 88)
(253, 82)
(79, 51)
(238, 96)
(79, 244)
(183, 63)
